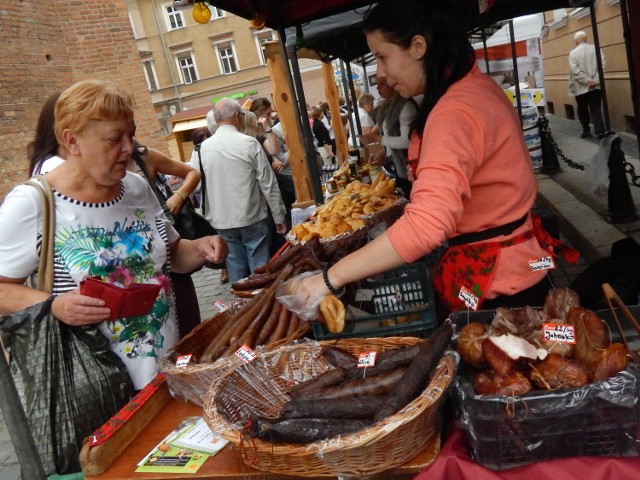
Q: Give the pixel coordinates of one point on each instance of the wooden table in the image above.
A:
(163, 413)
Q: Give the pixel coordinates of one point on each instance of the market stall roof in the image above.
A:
(524, 28)
(280, 14)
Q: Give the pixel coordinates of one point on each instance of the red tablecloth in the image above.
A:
(454, 462)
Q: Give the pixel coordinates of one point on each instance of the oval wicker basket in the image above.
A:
(194, 381)
(386, 445)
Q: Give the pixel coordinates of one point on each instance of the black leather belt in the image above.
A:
(489, 233)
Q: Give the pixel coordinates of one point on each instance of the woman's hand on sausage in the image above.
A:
(75, 309)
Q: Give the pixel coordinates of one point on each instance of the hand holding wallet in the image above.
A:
(135, 300)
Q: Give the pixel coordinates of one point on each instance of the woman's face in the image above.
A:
(104, 148)
(402, 67)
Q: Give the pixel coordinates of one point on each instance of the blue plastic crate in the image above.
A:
(403, 302)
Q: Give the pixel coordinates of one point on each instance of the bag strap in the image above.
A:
(203, 181)
(137, 157)
(45, 266)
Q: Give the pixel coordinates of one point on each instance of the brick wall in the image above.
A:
(46, 46)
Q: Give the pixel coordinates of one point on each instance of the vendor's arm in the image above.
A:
(161, 163)
(189, 255)
(353, 267)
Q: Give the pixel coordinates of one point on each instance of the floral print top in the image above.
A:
(122, 241)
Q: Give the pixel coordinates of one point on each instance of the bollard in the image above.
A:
(621, 207)
(550, 162)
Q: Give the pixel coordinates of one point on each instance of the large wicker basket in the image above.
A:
(384, 446)
(192, 383)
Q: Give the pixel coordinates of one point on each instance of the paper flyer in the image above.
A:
(184, 450)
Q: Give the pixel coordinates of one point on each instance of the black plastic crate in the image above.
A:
(403, 303)
(600, 419)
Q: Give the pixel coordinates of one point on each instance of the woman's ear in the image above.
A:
(70, 142)
(418, 47)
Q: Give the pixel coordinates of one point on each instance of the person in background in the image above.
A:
(394, 119)
(108, 223)
(240, 185)
(474, 186)
(43, 151)
(323, 139)
(584, 84)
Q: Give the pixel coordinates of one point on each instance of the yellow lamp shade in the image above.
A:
(201, 12)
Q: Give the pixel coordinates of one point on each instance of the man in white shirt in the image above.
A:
(240, 186)
(584, 84)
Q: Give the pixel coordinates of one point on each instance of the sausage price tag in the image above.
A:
(542, 263)
(367, 359)
(469, 299)
(559, 332)
(246, 354)
(183, 361)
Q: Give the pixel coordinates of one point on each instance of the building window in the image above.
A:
(187, 67)
(150, 75)
(226, 57)
(261, 39)
(173, 17)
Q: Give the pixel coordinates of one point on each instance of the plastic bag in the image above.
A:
(600, 168)
(69, 380)
(304, 306)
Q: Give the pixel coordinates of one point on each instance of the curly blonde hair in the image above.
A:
(90, 100)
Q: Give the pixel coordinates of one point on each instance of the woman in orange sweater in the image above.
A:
(474, 185)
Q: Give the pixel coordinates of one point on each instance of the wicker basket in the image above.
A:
(386, 445)
(194, 381)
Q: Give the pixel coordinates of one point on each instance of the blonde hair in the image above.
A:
(250, 125)
(90, 100)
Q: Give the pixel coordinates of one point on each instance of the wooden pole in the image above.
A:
(284, 99)
(331, 95)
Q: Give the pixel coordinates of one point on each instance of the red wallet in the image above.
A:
(132, 301)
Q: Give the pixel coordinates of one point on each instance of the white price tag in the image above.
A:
(542, 263)
(559, 332)
(183, 361)
(367, 359)
(220, 306)
(246, 354)
(469, 299)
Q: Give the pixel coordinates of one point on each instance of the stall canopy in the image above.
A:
(280, 14)
(524, 28)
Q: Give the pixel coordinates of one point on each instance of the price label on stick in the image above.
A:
(367, 359)
(246, 354)
(468, 298)
(559, 332)
(542, 263)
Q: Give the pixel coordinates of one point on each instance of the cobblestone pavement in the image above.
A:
(566, 134)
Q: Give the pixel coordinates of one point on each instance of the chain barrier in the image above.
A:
(543, 126)
(635, 178)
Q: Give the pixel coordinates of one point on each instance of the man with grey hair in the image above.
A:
(240, 188)
(584, 84)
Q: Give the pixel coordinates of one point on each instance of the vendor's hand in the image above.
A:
(175, 202)
(277, 165)
(213, 247)
(75, 309)
(281, 228)
(303, 293)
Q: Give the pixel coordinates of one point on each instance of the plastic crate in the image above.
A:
(403, 302)
(600, 419)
